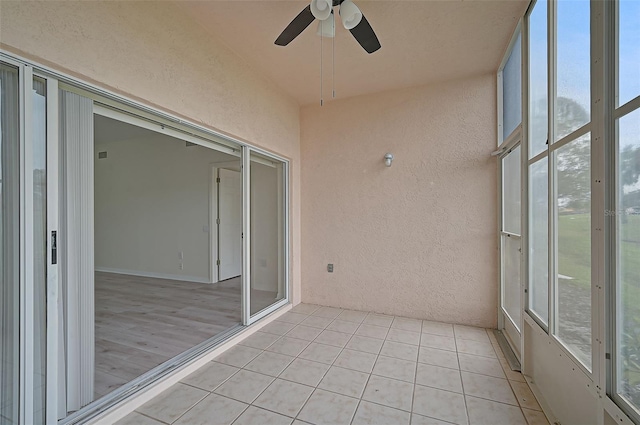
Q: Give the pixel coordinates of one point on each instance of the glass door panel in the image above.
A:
(511, 278)
(267, 233)
(9, 243)
(511, 290)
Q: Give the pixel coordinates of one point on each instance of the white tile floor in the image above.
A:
(327, 366)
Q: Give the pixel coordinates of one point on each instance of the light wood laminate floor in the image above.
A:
(142, 322)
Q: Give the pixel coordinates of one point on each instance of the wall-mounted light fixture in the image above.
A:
(388, 159)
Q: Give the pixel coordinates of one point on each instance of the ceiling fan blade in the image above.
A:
(299, 23)
(364, 34)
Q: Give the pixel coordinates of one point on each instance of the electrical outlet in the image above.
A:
(330, 268)
(180, 255)
(181, 266)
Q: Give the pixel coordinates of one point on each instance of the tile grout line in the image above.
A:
(415, 375)
(464, 394)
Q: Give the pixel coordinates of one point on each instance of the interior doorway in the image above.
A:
(228, 221)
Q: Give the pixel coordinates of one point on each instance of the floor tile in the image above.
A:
(329, 312)
(423, 420)
(390, 392)
(524, 395)
(437, 341)
(337, 339)
(291, 317)
(436, 357)
(437, 328)
(213, 410)
(439, 377)
(288, 346)
(304, 332)
(244, 386)
(259, 340)
(470, 332)
(278, 328)
(317, 322)
(305, 308)
(477, 348)
(256, 416)
(320, 353)
(439, 404)
(486, 412)
(305, 372)
(378, 320)
(372, 331)
(406, 324)
(172, 403)
(356, 360)
(375, 414)
(343, 326)
(269, 363)
(395, 369)
(238, 355)
(344, 381)
(535, 417)
(131, 419)
(210, 376)
(366, 344)
(352, 316)
(488, 387)
(481, 365)
(284, 397)
(326, 408)
(406, 337)
(399, 350)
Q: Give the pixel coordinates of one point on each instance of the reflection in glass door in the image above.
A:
(510, 238)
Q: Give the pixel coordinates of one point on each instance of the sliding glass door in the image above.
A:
(27, 232)
(266, 224)
(129, 246)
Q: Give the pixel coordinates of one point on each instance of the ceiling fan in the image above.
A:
(352, 19)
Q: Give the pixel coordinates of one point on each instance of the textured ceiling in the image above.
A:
(422, 42)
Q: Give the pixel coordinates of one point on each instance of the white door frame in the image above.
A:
(512, 332)
(53, 226)
(214, 270)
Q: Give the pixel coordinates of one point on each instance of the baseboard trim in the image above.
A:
(194, 279)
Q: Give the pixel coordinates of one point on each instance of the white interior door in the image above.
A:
(229, 223)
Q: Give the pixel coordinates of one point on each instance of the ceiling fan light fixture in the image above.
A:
(321, 9)
(350, 14)
(327, 28)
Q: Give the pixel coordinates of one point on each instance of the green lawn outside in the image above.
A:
(574, 258)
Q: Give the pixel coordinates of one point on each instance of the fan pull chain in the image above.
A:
(333, 61)
(321, 37)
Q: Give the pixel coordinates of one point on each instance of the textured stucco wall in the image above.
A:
(417, 239)
(151, 52)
